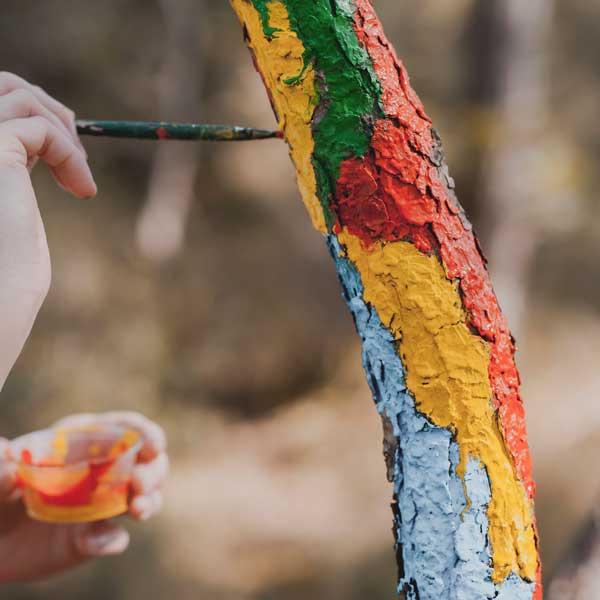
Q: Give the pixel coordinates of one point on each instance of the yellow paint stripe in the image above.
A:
(447, 372)
(279, 59)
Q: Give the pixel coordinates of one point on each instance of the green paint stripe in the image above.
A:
(262, 6)
(346, 82)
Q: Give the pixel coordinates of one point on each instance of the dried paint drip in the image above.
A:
(436, 347)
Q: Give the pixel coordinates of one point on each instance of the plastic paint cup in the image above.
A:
(75, 475)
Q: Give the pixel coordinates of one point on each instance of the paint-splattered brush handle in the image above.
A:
(144, 130)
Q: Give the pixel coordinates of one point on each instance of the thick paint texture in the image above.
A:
(443, 539)
(294, 102)
(346, 82)
(436, 347)
(413, 175)
(447, 368)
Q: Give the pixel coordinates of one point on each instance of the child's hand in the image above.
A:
(32, 550)
(32, 125)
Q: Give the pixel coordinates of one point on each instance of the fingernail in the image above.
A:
(105, 544)
(143, 508)
(95, 193)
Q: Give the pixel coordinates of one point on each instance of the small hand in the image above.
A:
(31, 550)
(32, 125)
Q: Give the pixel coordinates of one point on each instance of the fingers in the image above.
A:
(144, 507)
(8, 481)
(10, 83)
(33, 550)
(102, 538)
(155, 441)
(150, 476)
(23, 139)
(20, 101)
(23, 103)
(8, 475)
(153, 435)
(146, 482)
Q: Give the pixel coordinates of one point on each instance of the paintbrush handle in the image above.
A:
(144, 130)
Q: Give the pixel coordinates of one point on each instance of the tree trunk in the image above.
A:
(436, 347)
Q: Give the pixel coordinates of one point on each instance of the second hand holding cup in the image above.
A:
(76, 475)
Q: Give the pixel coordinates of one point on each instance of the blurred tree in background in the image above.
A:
(238, 340)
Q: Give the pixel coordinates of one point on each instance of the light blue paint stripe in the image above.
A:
(446, 553)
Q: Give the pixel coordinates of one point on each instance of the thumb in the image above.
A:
(34, 550)
(8, 474)
(102, 538)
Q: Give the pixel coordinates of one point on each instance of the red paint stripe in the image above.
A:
(79, 494)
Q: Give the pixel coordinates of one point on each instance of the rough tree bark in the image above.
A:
(436, 348)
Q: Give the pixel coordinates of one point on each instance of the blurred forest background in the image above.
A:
(193, 288)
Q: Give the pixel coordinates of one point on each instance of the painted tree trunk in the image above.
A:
(436, 347)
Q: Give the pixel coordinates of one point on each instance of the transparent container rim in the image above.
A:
(133, 449)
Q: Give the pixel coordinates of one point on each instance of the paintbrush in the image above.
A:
(144, 130)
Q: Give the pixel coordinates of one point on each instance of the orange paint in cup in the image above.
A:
(74, 475)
